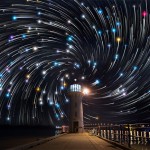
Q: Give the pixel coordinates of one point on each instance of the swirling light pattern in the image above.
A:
(46, 45)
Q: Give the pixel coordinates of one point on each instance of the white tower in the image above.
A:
(76, 109)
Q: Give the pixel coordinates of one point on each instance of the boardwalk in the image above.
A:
(76, 142)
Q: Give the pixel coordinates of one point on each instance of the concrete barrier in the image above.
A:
(36, 143)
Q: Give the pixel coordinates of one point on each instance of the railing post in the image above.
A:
(120, 134)
(100, 131)
(106, 133)
(109, 132)
(129, 137)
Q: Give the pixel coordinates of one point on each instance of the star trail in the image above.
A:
(47, 45)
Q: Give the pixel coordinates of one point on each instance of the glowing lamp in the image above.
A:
(86, 91)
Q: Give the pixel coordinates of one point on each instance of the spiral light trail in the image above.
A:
(46, 45)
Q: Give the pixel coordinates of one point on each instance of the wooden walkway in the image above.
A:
(76, 142)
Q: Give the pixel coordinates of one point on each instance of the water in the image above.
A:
(12, 136)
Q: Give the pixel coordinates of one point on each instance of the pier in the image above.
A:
(77, 141)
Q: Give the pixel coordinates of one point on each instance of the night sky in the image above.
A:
(47, 45)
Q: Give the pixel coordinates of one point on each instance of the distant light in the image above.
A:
(93, 27)
(109, 45)
(7, 95)
(39, 21)
(86, 91)
(97, 82)
(26, 49)
(113, 30)
(27, 76)
(118, 39)
(144, 13)
(65, 84)
(39, 13)
(57, 105)
(100, 11)
(69, 21)
(121, 74)
(41, 102)
(67, 75)
(67, 50)
(89, 61)
(8, 118)
(123, 90)
(29, 28)
(70, 38)
(116, 57)
(11, 37)
(70, 46)
(14, 18)
(95, 63)
(38, 89)
(62, 87)
(35, 48)
(1, 75)
(118, 23)
(57, 116)
(124, 94)
(24, 36)
(44, 72)
(82, 77)
(8, 106)
(37, 64)
(51, 103)
(83, 16)
(135, 68)
(62, 79)
(44, 92)
(97, 118)
(100, 32)
(67, 100)
(77, 65)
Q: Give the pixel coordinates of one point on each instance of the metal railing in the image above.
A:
(125, 134)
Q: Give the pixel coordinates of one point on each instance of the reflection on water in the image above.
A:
(142, 143)
(141, 147)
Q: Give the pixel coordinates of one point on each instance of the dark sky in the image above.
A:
(47, 46)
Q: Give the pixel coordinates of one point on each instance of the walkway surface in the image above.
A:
(76, 142)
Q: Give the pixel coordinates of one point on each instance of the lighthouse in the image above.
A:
(76, 109)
